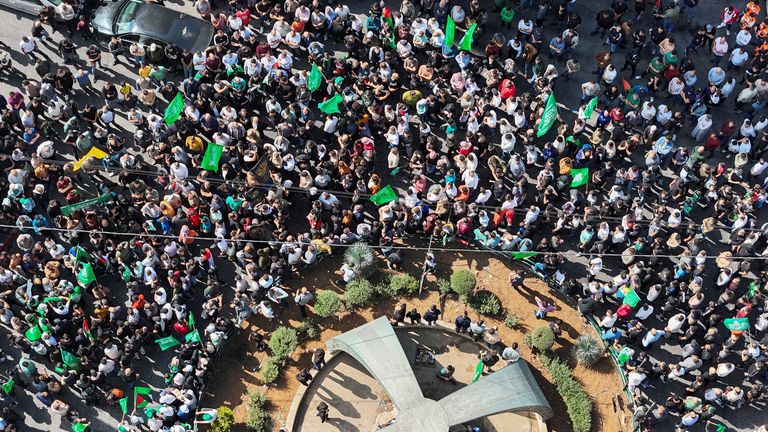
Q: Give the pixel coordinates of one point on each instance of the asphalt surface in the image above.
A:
(568, 94)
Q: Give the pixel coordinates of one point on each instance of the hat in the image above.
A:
(708, 225)
(39, 189)
(724, 260)
(674, 240)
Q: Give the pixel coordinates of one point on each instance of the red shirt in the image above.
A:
(507, 92)
(244, 15)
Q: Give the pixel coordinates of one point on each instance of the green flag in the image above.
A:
(212, 156)
(124, 405)
(549, 116)
(752, 289)
(315, 78)
(142, 390)
(331, 105)
(138, 400)
(79, 427)
(384, 196)
(191, 320)
(466, 41)
(478, 371)
(69, 359)
(721, 428)
(8, 386)
(631, 299)
(624, 355)
(233, 70)
(590, 108)
(167, 343)
(67, 210)
(580, 176)
(736, 324)
(53, 299)
(523, 255)
(82, 255)
(394, 171)
(126, 274)
(86, 275)
(174, 109)
(450, 31)
(193, 336)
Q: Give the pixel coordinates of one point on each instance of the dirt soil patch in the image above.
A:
(235, 374)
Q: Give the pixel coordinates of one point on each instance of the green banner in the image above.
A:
(167, 343)
(193, 336)
(212, 156)
(736, 324)
(590, 108)
(174, 109)
(466, 41)
(124, 405)
(523, 255)
(450, 32)
(69, 359)
(549, 116)
(86, 275)
(478, 371)
(580, 177)
(68, 210)
(315, 79)
(384, 196)
(331, 105)
(631, 299)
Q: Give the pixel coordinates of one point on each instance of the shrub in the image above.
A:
(444, 286)
(307, 328)
(587, 350)
(512, 320)
(358, 293)
(576, 400)
(283, 341)
(360, 258)
(270, 370)
(404, 284)
(327, 304)
(257, 416)
(540, 339)
(486, 303)
(463, 283)
(385, 290)
(225, 418)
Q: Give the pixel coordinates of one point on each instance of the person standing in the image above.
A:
(318, 358)
(431, 315)
(322, 412)
(303, 298)
(28, 46)
(304, 377)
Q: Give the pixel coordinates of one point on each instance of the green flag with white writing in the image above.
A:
(315, 79)
(580, 176)
(86, 275)
(549, 116)
(167, 343)
(736, 324)
(69, 359)
(212, 156)
(174, 109)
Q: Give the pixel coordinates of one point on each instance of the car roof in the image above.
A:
(168, 25)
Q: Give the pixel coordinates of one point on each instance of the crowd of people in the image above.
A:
(672, 142)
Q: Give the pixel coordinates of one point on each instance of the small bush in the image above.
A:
(576, 400)
(225, 418)
(587, 350)
(257, 416)
(384, 290)
(327, 304)
(486, 303)
(541, 339)
(463, 283)
(307, 328)
(283, 342)
(512, 320)
(444, 286)
(270, 370)
(403, 284)
(358, 293)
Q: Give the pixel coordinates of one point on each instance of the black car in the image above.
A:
(147, 23)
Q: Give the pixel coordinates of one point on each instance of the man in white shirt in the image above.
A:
(510, 353)
(28, 46)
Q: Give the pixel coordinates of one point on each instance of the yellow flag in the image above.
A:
(92, 153)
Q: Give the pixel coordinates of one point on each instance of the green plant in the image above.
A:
(327, 304)
(463, 283)
(283, 342)
(403, 283)
(358, 293)
(587, 350)
(486, 303)
(576, 400)
(307, 328)
(257, 416)
(541, 339)
(512, 320)
(225, 418)
(361, 259)
(385, 290)
(270, 370)
(444, 286)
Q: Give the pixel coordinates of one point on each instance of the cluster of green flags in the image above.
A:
(465, 44)
(169, 342)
